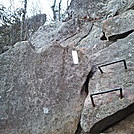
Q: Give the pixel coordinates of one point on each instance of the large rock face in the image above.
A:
(43, 92)
(40, 92)
(115, 27)
(100, 8)
(125, 126)
(109, 107)
(92, 8)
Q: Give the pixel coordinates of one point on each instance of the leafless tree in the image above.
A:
(24, 11)
(54, 10)
(57, 9)
(67, 3)
(60, 10)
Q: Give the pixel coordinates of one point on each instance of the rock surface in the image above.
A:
(115, 7)
(90, 8)
(41, 88)
(125, 126)
(69, 32)
(115, 27)
(109, 107)
(40, 92)
(101, 9)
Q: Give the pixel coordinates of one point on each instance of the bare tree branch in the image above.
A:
(53, 9)
(23, 20)
(60, 10)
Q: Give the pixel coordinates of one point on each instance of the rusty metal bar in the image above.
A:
(103, 92)
(125, 65)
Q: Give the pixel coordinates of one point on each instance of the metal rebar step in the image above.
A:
(103, 92)
(125, 65)
(110, 90)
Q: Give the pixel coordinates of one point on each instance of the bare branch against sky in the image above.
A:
(44, 5)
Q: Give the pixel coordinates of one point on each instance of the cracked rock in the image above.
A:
(118, 25)
(109, 108)
(116, 7)
(40, 92)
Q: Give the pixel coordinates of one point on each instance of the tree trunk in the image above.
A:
(60, 10)
(54, 11)
(23, 21)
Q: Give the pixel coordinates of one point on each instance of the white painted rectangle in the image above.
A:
(75, 56)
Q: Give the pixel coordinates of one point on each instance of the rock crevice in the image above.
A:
(85, 35)
(120, 36)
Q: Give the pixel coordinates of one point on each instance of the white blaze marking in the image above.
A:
(45, 109)
(75, 57)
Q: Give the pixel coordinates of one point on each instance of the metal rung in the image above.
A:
(111, 90)
(125, 65)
